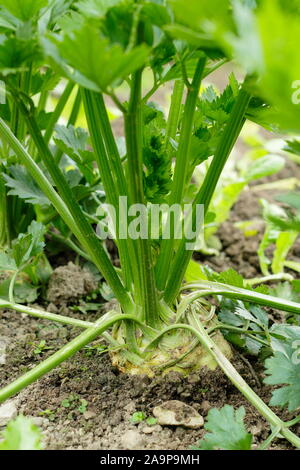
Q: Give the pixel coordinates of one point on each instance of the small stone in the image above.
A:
(132, 440)
(151, 429)
(8, 411)
(193, 379)
(89, 415)
(256, 429)
(205, 406)
(38, 420)
(49, 332)
(185, 394)
(174, 377)
(177, 413)
(52, 308)
(130, 407)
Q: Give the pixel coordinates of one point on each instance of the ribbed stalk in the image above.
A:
(227, 141)
(110, 144)
(71, 121)
(181, 170)
(174, 114)
(134, 139)
(33, 312)
(108, 176)
(58, 111)
(231, 292)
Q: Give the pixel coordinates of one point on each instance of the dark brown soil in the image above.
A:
(112, 398)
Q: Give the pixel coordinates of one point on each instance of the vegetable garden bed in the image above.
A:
(149, 224)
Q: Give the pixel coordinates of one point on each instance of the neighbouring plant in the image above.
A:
(227, 430)
(62, 176)
(21, 434)
(282, 231)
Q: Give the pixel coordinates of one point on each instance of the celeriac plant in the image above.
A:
(96, 46)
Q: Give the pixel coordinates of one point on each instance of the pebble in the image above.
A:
(8, 411)
(89, 415)
(132, 440)
(256, 429)
(39, 421)
(151, 429)
(193, 379)
(205, 406)
(177, 413)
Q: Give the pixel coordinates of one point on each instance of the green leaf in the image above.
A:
(227, 430)
(284, 243)
(287, 220)
(224, 201)
(286, 290)
(270, 211)
(24, 186)
(151, 421)
(183, 33)
(250, 317)
(291, 199)
(212, 115)
(28, 245)
(230, 277)
(15, 54)
(227, 313)
(290, 224)
(246, 46)
(96, 8)
(7, 20)
(194, 272)
(21, 434)
(157, 14)
(210, 14)
(137, 417)
(21, 249)
(25, 293)
(267, 44)
(280, 36)
(37, 230)
(7, 263)
(157, 161)
(96, 64)
(284, 368)
(283, 337)
(293, 146)
(25, 10)
(254, 314)
(73, 141)
(68, 23)
(265, 166)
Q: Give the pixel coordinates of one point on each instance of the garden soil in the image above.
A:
(87, 404)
